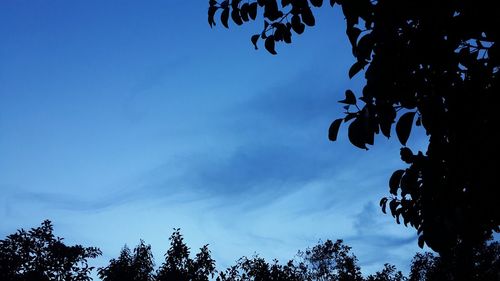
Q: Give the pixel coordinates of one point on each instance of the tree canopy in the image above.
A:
(433, 64)
(37, 255)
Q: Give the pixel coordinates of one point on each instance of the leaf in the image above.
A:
(353, 34)
(269, 44)
(350, 98)
(383, 204)
(356, 67)
(386, 114)
(406, 155)
(224, 17)
(334, 129)
(394, 181)
(235, 15)
(392, 206)
(287, 34)
(356, 133)
(297, 25)
(254, 39)
(235, 4)
(403, 127)
(364, 47)
(317, 3)
(211, 14)
(244, 12)
(421, 241)
(308, 17)
(252, 10)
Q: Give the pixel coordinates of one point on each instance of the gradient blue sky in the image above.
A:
(120, 120)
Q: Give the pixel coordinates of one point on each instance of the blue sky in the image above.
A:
(120, 120)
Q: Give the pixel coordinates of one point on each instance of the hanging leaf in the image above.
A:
(285, 3)
(224, 17)
(235, 15)
(244, 12)
(254, 39)
(211, 14)
(394, 181)
(252, 10)
(297, 25)
(383, 204)
(421, 241)
(403, 127)
(334, 129)
(353, 34)
(308, 17)
(269, 44)
(356, 67)
(317, 3)
(356, 133)
(350, 98)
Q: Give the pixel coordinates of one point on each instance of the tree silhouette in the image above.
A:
(435, 64)
(180, 266)
(328, 261)
(486, 260)
(37, 255)
(138, 266)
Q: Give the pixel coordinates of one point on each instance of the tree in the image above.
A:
(38, 255)
(328, 261)
(389, 273)
(179, 266)
(435, 64)
(486, 260)
(138, 266)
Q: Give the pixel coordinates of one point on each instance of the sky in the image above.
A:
(121, 120)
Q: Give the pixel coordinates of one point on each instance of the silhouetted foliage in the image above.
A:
(180, 266)
(325, 261)
(37, 255)
(389, 273)
(138, 266)
(436, 65)
(485, 258)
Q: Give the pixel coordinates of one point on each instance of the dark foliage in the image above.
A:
(179, 265)
(325, 261)
(136, 266)
(435, 64)
(37, 255)
(486, 260)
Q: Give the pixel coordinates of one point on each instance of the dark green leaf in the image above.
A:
(308, 17)
(224, 17)
(297, 25)
(356, 133)
(254, 39)
(316, 3)
(357, 67)
(383, 204)
(235, 15)
(211, 14)
(394, 181)
(269, 44)
(421, 241)
(244, 11)
(403, 127)
(353, 34)
(252, 10)
(334, 129)
(350, 98)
